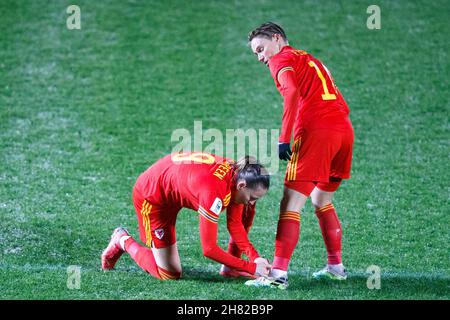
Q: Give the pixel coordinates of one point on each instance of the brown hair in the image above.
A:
(252, 172)
(267, 30)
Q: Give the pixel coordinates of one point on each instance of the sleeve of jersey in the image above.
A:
(283, 75)
(210, 206)
(208, 237)
(239, 221)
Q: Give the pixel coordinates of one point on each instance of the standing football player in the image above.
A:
(202, 182)
(317, 115)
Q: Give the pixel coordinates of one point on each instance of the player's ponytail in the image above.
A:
(252, 172)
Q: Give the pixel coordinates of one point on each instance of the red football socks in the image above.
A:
(288, 233)
(331, 232)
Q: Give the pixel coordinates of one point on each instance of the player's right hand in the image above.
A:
(262, 267)
(284, 151)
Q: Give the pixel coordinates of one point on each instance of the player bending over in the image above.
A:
(207, 184)
(315, 112)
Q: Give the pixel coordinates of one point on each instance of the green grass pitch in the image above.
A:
(84, 112)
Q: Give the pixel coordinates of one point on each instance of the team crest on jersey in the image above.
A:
(159, 233)
(216, 206)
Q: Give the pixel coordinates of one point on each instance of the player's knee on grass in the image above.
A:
(168, 261)
(172, 271)
(169, 274)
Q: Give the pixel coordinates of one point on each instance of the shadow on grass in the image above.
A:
(392, 285)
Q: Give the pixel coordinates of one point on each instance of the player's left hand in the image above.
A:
(284, 151)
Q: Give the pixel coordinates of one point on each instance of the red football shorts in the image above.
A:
(322, 157)
(156, 222)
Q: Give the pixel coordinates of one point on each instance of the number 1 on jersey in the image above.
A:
(327, 95)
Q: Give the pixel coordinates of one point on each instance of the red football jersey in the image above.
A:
(198, 181)
(314, 101)
(201, 182)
